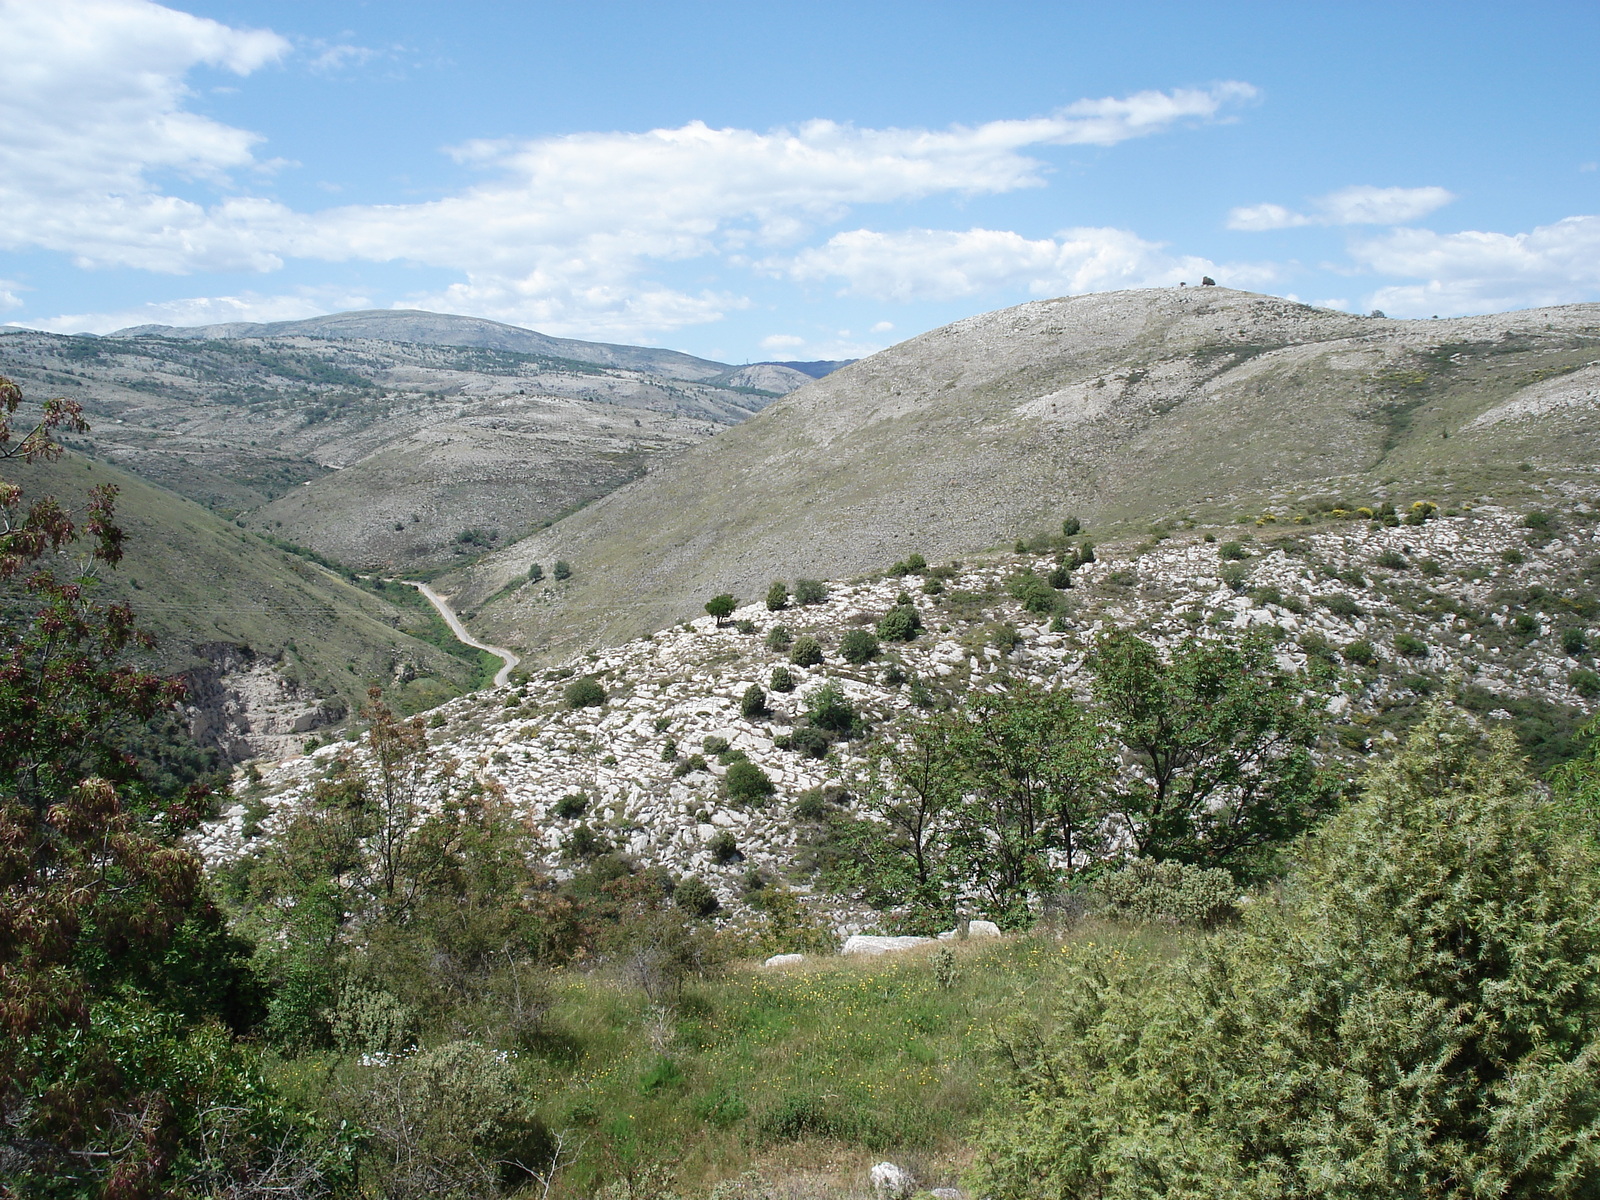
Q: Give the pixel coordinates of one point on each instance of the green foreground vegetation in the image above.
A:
(1276, 982)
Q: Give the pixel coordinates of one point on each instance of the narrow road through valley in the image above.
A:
(510, 658)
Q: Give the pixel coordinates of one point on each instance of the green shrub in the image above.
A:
(1071, 527)
(745, 626)
(810, 741)
(695, 762)
(807, 651)
(900, 623)
(781, 680)
(584, 842)
(1171, 893)
(1586, 683)
(753, 705)
(1232, 551)
(859, 646)
(1541, 521)
(747, 783)
(810, 591)
(584, 692)
(1411, 1017)
(933, 586)
(1512, 557)
(562, 569)
(1410, 645)
(660, 1076)
(828, 708)
(572, 806)
(1341, 605)
(1392, 560)
(446, 1122)
(1036, 595)
(724, 847)
(1526, 624)
(535, 573)
(669, 750)
(1574, 641)
(1235, 576)
(1003, 636)
(715, 744)
(694, 896)
(780, 637)
(1361, 653)
(778, 596)
(916, 563)
(1060, 578)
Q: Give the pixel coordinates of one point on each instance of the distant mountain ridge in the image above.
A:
(446, 329)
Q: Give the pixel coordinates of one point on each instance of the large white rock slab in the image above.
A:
(862, 943)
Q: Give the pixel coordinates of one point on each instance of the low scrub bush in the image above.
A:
(859, 646)
(806, 652)
(1172, 893)
(584, 692)
(810, 591)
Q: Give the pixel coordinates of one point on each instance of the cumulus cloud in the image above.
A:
(1348, 206)
(1475, 272)
(101, 159)
(94, 120)
(781, 341)
(941, 264)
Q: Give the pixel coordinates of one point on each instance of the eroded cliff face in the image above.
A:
(243, 704)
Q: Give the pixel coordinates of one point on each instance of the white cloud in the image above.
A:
(882, 327)
(93, 116)
(940, 264)
(207, 310)
(781, 341)
(1360, 205)
(95, 136)
(1475, 272)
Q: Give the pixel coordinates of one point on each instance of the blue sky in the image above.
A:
(786, 180)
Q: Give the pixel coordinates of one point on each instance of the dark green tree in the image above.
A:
(1220, 739)
(778, 596)
(753, 705)
(562, 569)
(721, 607)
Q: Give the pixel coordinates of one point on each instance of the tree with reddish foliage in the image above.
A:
(117, 975)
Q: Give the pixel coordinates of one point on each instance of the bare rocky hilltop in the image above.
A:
(1129, 409)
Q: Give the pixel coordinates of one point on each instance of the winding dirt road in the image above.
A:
(510, 658)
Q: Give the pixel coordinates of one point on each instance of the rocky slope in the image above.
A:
(1494, 605)
(1126, 408)
(381, 453)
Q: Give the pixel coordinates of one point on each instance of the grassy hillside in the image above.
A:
(198, 582)
(1124, 409)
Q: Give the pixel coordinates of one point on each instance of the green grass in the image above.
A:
(868, 1057)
